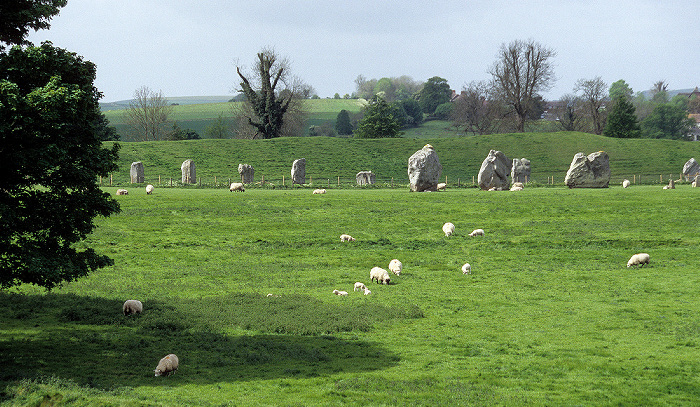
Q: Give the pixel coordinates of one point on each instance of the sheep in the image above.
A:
(516, 188)
(318, 191)
(639, 259)
(167, 366)
(477, 232)
(626, 183)
(395, 266)
(149, 189)
(131, 307)
(359, 286)
(337, 292)
(122, 192)
(237, 186)
(448, 228)
(367, 291)
(441, 186)
(346, 238)
(517, 185)
(467, 268)
(380, 275)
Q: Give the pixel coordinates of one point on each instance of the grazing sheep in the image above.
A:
(477, 232)
(337, 292)
(359, 286)
(380, 275)
(272, 295)
(167, 366)
(467, 268)
(517, 185)
(626, 183)
(639, 259)
(395, 266)
(237, 186)
(122, 192)
(149, 189)
(441, 186)
(318, 191)
(131, 307)
(448, 228)
(346, 238)
(516, 188)
(367, 291)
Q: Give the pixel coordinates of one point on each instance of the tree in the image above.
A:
(413, 111)
(476, 109)
(594, 95)
(435, 92)
(620, 88)
(274, 98)
(342, 123)
(17, 17)
(568, 113)
(523, 69)
(147, 115)
(622, 121)
(659, 91)
(178, 133)
(50, 158)
(379, 121)
(104, 130)
(667, 120)
(219, 129)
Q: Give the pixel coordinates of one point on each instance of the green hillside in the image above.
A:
(329, 158)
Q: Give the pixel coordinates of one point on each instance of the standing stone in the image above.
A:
(365, 178)
(299, 171)
(691, 169)
(589, 172)
(424, 170)
(189, 173)
(494, 172)
(520, 171)
(247, 173)
(136, 173)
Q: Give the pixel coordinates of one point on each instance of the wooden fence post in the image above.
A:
(283, 180)
(110, 180)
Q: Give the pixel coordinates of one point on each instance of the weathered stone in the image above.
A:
(589, 172)
(247, 173)
(365, 178)
(691, 169)
(696, 183)
(424, 169)
(189, 172)
(494, 172)
(520, 171)
(136, 173)
(299, 171)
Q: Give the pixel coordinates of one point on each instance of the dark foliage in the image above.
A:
(17, 17)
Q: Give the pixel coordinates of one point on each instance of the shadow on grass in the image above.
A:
(87, 340)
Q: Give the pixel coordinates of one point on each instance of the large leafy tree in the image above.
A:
(622, 120)
(18, 17)
(379, 121)
(667, 120)
(435, 92)
(343, 126)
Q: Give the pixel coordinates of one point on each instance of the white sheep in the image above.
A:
(516, 188)
(149, 189)
(131, 307)
(338, 292)
(359, 286)
(380, 275)
(518, 185)
(395, 266)
(477, 232)
(167, 366)
(467, 268)
(367, 291)
(626, 183)
(639, 259)
(122, 192)
(346, 238)
(448, 228)
(318, 191)
(237, 186)
(441, 186)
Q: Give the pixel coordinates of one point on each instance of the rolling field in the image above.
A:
(549, 316)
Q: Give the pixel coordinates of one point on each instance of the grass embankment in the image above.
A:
(550, 315)
(461, 158)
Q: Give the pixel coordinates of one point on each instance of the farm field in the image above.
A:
(550, 315)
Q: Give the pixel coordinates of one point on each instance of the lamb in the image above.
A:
(359, 286)
(441, 186)
(448, 228)
(237, 186)
(380, 275)
(131, 307)
(639, 259)
(626, 183)
(395, 266)
(337, 292)
(149, 189)
(467, 268)
(167, 366)
(318, 191)
(367, 291)
(477, 232)
(122, 192)
(346, 238)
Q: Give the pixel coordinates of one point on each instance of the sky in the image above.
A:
(192, 47)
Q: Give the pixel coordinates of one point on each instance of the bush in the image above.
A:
(443, 111)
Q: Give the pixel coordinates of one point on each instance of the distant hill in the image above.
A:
(179, 100)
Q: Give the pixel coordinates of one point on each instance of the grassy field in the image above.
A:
(549, 316)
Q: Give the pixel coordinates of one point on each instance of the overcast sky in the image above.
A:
(192, 47)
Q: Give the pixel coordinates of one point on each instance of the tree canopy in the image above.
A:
(379, 121)
(435, 92)
(18, 17)
(622, 120)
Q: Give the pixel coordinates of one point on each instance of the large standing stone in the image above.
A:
(494, 171)
(424, 169)
(189, 173)
(691, 169)
(136, 173)
(365, 178)
(589, 172)
(520, 171)
(247, 173)
(299, 171)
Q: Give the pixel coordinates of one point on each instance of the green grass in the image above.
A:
(550, 315)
